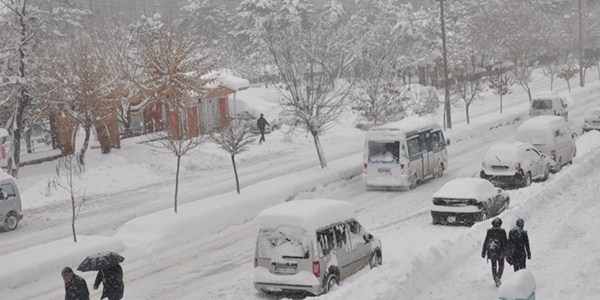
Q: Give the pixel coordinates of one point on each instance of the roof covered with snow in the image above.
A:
(309, 214)
(405, 126)
(3, 132)
(467, 188)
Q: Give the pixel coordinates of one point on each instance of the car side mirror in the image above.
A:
(368, 237)
(447, 141)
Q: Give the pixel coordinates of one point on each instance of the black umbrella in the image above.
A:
(100, 261)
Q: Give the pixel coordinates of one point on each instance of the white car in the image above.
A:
(592, 119)
(464, 201)
(515, 164)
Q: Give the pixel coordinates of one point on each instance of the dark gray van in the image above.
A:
(311, 245)
(10, 203)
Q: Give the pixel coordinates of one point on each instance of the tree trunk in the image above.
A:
(529, 93)
(569, 85)
(467, 112)
(551, 83)
(176, 183)
(237, 181)
(73, 216)
(500, 102)
(319, 150)
(86, 143)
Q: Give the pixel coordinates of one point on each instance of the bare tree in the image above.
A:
(466, 86)
(69, 169)
(234, 138)
(309, 93)
(500, 84)
(567, 73)
(522, 76)
(165, 141)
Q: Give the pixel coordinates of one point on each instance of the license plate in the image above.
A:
(285, 270)
(451, 219)
(384, 171)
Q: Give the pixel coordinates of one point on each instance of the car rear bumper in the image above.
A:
(288, 288)
(456, 218)
(504, 180)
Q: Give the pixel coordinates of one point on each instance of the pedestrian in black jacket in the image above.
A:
(261, 123)
(112, 280)
(518, 246)
(494, 247)
(75, 286)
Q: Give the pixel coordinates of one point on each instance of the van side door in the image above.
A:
(9, 199)
(426, 141)
(361, 250)
(415, 154)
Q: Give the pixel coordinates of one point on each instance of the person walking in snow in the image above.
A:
(112, 280)
(494, 247)
(261, 123)
(518, 246)
(75, 286)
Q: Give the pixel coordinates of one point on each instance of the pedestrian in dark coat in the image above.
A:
(518, 246)
(494, 247)
(261, 123)
(75, 286)
(112, 280)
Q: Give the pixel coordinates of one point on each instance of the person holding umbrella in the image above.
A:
(110, 273)
(75, 286)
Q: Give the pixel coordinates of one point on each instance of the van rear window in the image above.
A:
(384, 152)
(283, 242)
(541, 104)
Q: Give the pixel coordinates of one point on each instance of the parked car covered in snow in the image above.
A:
(592, 119)
(515, 164)
(552, 136)
(548, 104)
(311, 245)
(464, 201)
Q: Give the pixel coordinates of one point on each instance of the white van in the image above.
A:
(548, 104)
(552, 136)
(310, 245)
(399, 155)
(10, 203)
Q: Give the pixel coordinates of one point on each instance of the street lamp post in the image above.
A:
(448, 115)
(581, 79)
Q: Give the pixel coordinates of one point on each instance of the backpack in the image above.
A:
(493, 245)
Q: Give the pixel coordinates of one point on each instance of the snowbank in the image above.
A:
(162, 229)
(26, 266)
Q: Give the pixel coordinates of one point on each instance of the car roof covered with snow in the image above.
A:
(594, 111)
(405, 127)
(310, 214)
(506, 151)
(538, 130)
(467, 188)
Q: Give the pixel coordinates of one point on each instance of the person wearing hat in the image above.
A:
(75, 286)
(494, 247)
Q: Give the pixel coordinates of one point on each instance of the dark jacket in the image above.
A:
(76, 289)
(261, 123)
(495, 243)
(518, 244)
(113, 283)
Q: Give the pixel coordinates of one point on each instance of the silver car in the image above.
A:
(10, 203)
(592, 120)
(308, 246)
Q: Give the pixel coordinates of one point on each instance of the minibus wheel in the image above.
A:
(331, 281)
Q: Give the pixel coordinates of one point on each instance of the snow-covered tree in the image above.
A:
(500, 84)
(467, 85)
(567, 72)
(209, 21)
(68, 170)
(308, 94)
(234, 138)
(26, 29)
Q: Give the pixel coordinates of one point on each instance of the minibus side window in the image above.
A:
(414, 148)
(341, 236)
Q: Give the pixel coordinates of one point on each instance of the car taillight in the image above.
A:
(402, 166)
(518, 167)
(317, 268)
(255, 262)
(553, 154)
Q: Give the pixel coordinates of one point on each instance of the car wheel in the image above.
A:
(331, 281)
(412, 182)
(375, 260)
(439, 171)
(527, 181)
(11, 222)
(558, 165)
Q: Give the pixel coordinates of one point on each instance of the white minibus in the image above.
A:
(402, 154)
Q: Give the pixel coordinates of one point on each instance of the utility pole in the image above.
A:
(581, 79)
(446, 81)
